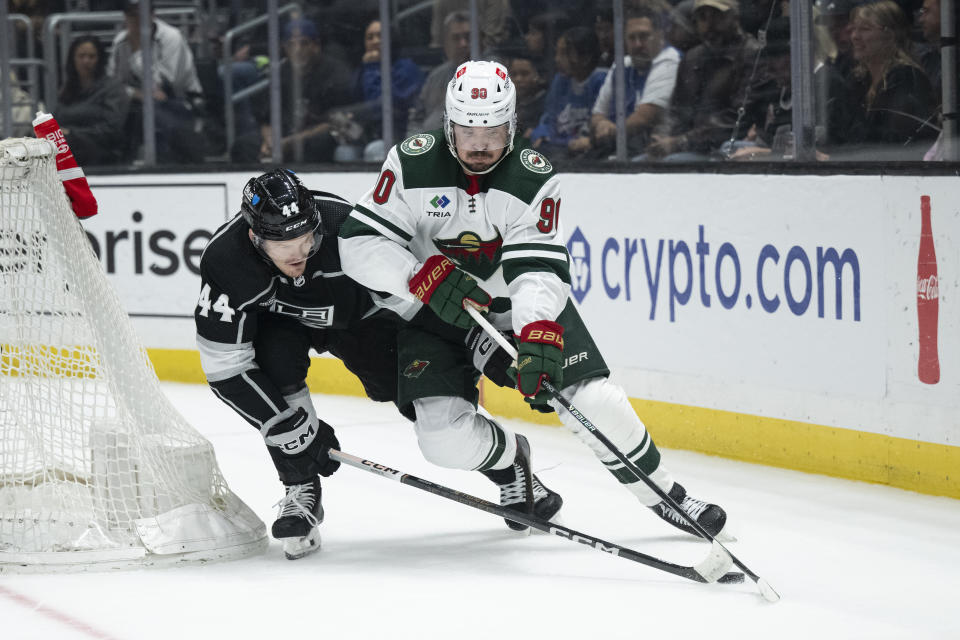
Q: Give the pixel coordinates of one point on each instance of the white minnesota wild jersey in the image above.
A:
(504, 231)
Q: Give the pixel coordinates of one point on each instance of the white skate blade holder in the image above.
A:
(296, 548)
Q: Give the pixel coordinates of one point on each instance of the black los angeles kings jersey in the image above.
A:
(239, 288)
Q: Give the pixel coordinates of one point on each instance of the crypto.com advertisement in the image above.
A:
(794, 297)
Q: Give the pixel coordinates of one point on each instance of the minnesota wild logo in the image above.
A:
(471, 253)
(534, 161)
(415, 145)
(415, 368)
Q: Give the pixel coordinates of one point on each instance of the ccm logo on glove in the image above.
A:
(293, 434)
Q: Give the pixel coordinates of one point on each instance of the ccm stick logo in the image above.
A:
(379, 467)
(590, 542)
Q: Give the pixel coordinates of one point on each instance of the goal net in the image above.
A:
(96, 466)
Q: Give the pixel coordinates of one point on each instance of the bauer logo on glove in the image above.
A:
(446, 289)
(429, 280)
(539, 358)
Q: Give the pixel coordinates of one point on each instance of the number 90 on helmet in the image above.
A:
(480, 94)
(278, 207)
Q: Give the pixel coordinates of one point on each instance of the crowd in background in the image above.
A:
(705, 80)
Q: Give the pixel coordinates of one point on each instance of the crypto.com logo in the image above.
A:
(579, 250)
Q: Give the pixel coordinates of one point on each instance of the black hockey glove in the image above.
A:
(490, 358)
(303, 446)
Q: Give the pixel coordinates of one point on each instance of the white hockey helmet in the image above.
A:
(480, 95)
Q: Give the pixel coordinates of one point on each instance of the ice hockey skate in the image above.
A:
(709, 516)
(297, 525)
(519, 488)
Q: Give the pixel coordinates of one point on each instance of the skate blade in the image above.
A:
(556, 519)
(519, 533)
(296, 548)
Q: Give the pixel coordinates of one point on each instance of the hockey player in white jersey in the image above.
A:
(463, 215)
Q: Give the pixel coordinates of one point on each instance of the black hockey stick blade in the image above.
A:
(713, 568)
(768, 592)
(764, 587)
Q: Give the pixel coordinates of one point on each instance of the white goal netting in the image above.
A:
(96, 466)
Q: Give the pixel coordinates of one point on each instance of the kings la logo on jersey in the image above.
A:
(535, 162)
(415, 145)
(470, 252)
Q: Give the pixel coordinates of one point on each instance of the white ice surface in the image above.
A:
(850, 560)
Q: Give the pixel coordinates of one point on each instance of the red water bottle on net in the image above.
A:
(71, 175)
(928, 300)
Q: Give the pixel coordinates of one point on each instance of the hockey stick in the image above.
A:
(713, 568)
(766, 590)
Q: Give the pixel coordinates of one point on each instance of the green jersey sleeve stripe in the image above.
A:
(353, 228)
(381, 224)
(513, 268)
(538, 246)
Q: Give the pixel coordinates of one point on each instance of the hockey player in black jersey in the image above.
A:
(272, 288)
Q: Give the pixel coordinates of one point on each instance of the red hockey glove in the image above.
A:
(445, 288)
(71, 175)
(539, 357)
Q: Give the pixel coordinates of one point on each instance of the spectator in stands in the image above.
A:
(603, 27)
(681, 33)
(93, 106)
(36, 11)
(540, 38)
(892, 99)
(773, 138)
(571, 96)
(406, 81)
(930, 59)
(929, 54)
(714, 81)
(494, 17)
(246, 70)
(313, 86)
(755, 14)
(650, 73)
(428, 112)
(531, 92)
(177, 92)
(835, 16)
(22, 114)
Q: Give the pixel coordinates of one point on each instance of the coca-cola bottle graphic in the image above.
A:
(928, 300)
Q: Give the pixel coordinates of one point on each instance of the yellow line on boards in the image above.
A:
(844, 453)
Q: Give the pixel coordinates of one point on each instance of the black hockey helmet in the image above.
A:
(277, 206)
